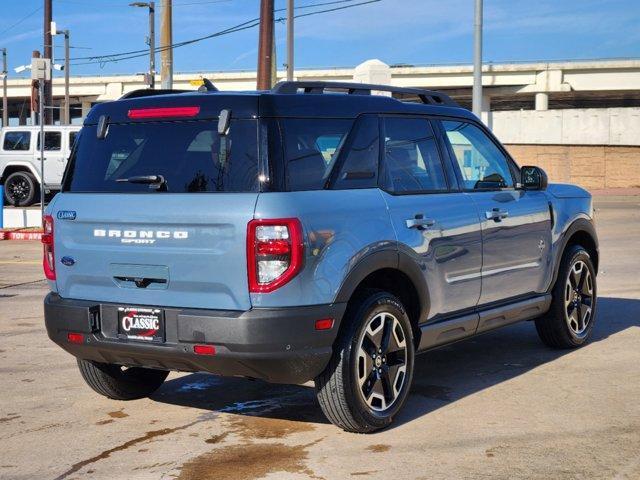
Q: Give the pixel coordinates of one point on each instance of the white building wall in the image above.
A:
(593, 126)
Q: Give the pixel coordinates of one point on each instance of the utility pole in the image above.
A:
(477, 61)
(152, 45)
(151, 40)
(35, 93)
(5, 100)
(290, 36)
(48, 53)
(265, 45)
(166, 50)
(67, 107)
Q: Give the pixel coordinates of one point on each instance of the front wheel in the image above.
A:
(368, 378)
(570, 320)
(121, 383)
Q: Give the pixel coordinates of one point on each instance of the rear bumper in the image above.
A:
(277, 345)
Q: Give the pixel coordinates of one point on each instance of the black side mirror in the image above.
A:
(533, 178)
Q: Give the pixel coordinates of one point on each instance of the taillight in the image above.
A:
(48, 262)
(163, 112)
(274, 253)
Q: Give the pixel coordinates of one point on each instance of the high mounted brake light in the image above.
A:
(48, 260)
(163, 112)
(275, 253)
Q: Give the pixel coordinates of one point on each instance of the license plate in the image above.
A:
(141, 323)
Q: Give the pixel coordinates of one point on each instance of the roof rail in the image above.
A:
(149, 92)
(429, 97)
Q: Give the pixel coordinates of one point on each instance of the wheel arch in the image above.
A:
(13, 167)
(393, 271)
(580, 232)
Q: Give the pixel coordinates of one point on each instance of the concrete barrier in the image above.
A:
(21, 217)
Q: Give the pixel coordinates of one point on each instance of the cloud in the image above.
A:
(22, 36)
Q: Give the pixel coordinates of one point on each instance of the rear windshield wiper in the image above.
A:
(156, 182)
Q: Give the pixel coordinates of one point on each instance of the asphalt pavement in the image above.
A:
(498, 406)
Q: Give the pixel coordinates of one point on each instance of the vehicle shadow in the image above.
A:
(441, 377)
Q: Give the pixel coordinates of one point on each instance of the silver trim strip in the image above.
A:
(495, 271)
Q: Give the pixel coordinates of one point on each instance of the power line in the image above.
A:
(158, 4)
(116, 57)
(20, 21)
(97, 58)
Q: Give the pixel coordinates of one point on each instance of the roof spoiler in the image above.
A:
(148, 92)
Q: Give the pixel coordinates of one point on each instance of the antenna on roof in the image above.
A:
(207, 86)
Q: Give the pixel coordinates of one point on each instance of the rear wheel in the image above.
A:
(121, 383)
(570, 320)
(367, 381)
(20, 189)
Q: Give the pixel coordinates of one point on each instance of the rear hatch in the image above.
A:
(156, 212)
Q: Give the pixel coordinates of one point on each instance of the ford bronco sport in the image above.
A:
(311, 232)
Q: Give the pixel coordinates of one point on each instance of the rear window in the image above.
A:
(16, 141)
(190, 156)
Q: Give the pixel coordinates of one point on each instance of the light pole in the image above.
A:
(5, 100)
(477, 61)
(67, 114)
(152, 39)
(290, 40)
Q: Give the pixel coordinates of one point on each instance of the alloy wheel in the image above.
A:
(381, 365)
(578, 298)
(18, 188)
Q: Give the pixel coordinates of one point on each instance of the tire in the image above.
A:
(21, 189)
(343, 391)
(572, 315)
(118, 383)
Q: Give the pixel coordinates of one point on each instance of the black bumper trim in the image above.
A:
(278, 345)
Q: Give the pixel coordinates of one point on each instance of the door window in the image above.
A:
(72, 139)
(52, 141)
(16, 141)
(311, 147)
(411, 159)
(481, 162)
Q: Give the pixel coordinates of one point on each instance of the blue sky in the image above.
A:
(395, 31)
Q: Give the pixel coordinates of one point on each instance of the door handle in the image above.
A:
(420, 222)
(496, 214)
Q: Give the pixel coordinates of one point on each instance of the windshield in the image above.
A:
(190, 156)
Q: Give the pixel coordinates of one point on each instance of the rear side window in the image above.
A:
(190, 156)
(16, 141)
(52, 141)
(311, 147)
(411, 157)
(72, 139)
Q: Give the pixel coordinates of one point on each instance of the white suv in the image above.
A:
(20, 161)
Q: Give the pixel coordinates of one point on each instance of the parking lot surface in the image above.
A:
(501, 405)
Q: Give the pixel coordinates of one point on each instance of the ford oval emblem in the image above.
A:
(68, 261)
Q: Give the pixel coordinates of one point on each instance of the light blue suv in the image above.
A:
(311, 232)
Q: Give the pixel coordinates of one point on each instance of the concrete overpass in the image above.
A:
(508, 86)
(530, 106)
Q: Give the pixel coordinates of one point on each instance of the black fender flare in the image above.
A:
(393, 259)
(578, 225)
